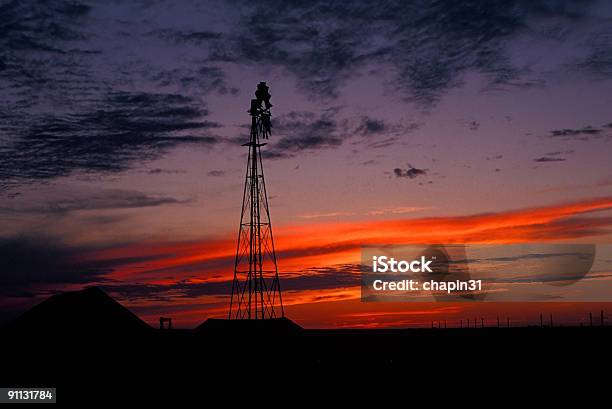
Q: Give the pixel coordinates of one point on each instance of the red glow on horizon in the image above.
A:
(304, 247)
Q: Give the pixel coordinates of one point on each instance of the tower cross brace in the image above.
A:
(256, 292)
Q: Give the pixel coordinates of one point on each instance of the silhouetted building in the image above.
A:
(165, 323)
(86, 311)
(269, 326)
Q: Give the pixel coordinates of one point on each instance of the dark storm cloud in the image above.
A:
(110, 136)
(429, 44)
(411, 172)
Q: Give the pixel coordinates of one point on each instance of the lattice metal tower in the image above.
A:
(256, 292)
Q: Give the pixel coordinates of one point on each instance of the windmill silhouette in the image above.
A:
(256, 292)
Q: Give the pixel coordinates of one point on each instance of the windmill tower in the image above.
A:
(256, 292)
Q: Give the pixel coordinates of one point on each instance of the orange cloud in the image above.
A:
(325, 244)
(302, 247)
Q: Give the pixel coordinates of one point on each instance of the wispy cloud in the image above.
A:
(307, 131)
(320, 256)
(120, 130)
(375, 212)
(30, 263)
(83, 93)
(182, 36)
(103, 199)
(301, 246)
(549, 159)
(564, 188)
(430, 44)
(410, 172)
(323, 215)
(396, 210)
(582, 134)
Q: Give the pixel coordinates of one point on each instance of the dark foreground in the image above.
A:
(82, 365)
(92, 349)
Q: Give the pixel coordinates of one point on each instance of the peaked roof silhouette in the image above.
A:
(89, 310)
(275, 325)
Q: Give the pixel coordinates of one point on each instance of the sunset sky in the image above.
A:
(393, 122)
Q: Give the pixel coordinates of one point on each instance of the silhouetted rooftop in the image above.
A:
(89, 310)
(275, 325)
